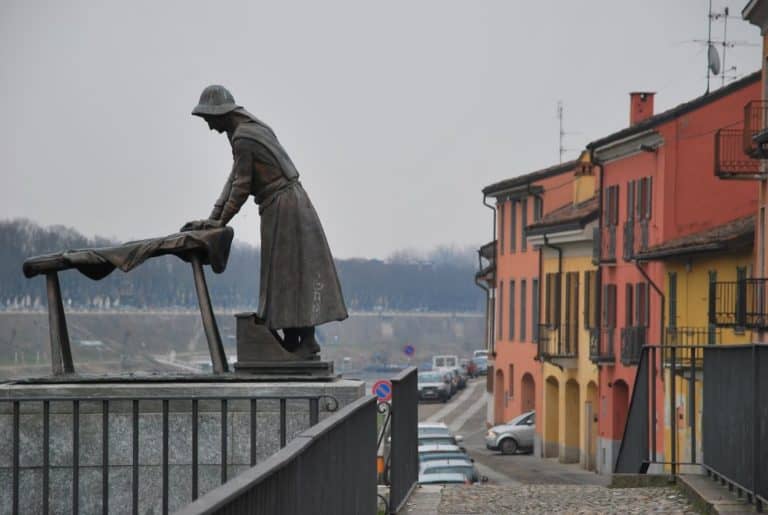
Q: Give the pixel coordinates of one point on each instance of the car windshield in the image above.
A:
(431, 456)
(456, 469)
(517, 419)
(431, 377)
(423, 440)
(436, 431)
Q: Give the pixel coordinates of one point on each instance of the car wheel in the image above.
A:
(508, 446)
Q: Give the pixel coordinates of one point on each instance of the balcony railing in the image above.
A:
(740, 304)
(602, 344)
(753, 137)
(682, 344)
(632, 341)
(488, 251)
(558, 342)
(730, 160)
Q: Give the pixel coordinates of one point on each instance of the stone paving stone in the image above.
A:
(576, 499)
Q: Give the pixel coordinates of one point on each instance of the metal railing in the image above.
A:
(602, 345)
(740, 304)
(330, 468)
(685, 338)
(632, 341)
(755, 113)
(135, 419)
(403, 453)
(734, 418)
(730, 160)
(558, 341)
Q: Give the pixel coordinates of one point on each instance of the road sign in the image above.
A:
(382, 389)
(409, 350)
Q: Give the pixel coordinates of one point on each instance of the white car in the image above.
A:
(461, 466)
(514, 435)
(433, 385)
(442, 479)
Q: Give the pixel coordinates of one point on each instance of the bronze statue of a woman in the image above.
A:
(299, 287)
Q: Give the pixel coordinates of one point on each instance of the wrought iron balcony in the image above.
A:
(601, 345)
(755, 134)
(740, 304)
(558, 341)
(632, 341)
(683, 344)
(731, 161)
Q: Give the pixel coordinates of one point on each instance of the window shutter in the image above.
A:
(628, 315)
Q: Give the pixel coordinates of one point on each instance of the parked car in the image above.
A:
(517, 434)
(443, 479)
(433, 429)
(461, 379)
(441, 439)
(450, 375)
(469, 368)
(426, 449)
(482, 365)
(480, 353)
(461, 466)
(434, 386)
(446, 455)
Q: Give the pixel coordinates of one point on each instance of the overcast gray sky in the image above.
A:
(396, 113)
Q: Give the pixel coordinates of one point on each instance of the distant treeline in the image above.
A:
(443, 280)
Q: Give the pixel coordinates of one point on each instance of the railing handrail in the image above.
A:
(219, 497)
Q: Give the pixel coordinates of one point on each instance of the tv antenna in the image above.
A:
(715, 65)
(561, 147)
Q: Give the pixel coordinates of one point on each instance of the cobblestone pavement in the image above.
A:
(577, 499)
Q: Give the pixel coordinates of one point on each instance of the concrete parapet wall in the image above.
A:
(120, 435)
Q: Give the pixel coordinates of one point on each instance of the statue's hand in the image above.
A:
(199, 225)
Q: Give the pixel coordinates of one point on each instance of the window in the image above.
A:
(501, 226)
(641, 305)
(628, 303)
(644, 197)
(591, 299)
(535, 304)
(611, 207)
(523, 309)
(500, 323)
(511, 310)
(609, 306)
(552, 300)
(538, 209)
(672, 299)
(523, 224)
(513, 226)
(571, 311)
(630, 201)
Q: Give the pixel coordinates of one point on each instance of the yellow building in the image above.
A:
(569, 308)
(694, 265)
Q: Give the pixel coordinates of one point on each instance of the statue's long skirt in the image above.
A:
(299, 284)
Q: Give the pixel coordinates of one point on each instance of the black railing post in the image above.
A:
(105, 456)
(741, 303)
(15, 480)
(46, 454)
(165, 456)
(195, 443)
(75, 456)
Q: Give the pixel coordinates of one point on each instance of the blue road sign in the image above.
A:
(382, 389)
(409, 350)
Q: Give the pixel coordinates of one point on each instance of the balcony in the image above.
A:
(632, 341)
(731, 161)
(601, 345)
(755, 134)
(686, 343)
(739, 304)
(559, 345)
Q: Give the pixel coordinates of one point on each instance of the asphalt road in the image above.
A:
(465, 415)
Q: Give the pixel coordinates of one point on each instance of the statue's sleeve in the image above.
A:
(239, 182)
(219, 205)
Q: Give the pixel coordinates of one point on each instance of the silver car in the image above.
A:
(515, 435)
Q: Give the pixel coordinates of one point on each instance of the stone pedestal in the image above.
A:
(207, 390)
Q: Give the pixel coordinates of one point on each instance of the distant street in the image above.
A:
(465, 416)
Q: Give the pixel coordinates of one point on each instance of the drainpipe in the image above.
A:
(559, 251)
(538, 272)
(486, 204)
(652, 364)
(491, 329)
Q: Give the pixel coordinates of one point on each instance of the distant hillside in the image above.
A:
(444, 283)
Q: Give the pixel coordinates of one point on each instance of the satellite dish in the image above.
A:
(713, 60)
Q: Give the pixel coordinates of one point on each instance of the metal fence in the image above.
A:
(404, 458)
(559, 341)
(735, 417)
(328, 469)
(740, 303)
(730, 159)
(98, 417)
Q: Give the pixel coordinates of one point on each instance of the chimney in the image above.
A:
(640, 106)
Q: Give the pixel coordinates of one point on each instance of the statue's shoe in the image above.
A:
(308, 349)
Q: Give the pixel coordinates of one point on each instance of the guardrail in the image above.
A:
(404, 457)
(114, 441)
(328, 469)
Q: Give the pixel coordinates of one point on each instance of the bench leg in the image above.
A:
(218, 358)
(61, 353)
